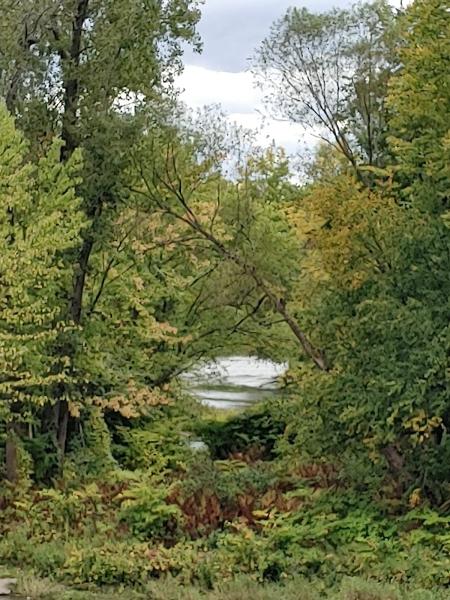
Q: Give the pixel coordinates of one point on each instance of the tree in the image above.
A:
(329, 72)
(81, 71)
(237, 219)
(40, 220)
(419, 101)
(373, 284)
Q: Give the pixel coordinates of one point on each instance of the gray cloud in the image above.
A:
(232, 29)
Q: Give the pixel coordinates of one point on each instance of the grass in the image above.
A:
(33, 588)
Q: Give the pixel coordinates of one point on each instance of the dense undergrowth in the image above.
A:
(147, 509)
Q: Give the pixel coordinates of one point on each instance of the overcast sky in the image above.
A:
(231, 30)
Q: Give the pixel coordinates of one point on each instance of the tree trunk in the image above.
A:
(70, 137)
(316, 355)
(76, 302)
(69, 132)
(12, 473)
(62, 425)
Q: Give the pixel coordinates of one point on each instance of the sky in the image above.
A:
(231, 30)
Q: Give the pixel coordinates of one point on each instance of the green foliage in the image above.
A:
(39, 219)
(293, 527)
(147, 240)
(45, 558)
(419, 101)
(241, 245)
(256, 430)
(145, 510)
(120, 563)
(224, 479)
(96, 65)
(330, 71)
(154, 446)
(385, 326)
(330, 536)
(91, 455)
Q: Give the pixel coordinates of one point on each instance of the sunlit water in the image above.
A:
(234, 382)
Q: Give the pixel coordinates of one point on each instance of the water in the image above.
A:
(234, 382)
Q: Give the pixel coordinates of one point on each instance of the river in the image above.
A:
(234, 382)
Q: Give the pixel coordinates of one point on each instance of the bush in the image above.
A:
(46, 558)
(126, 563)
(145, 510)
(255, 430)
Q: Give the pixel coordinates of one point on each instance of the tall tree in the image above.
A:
(419, 101)
(39, 221)
(87, 70)
(329, 72)
(374, 285)
(237, 218)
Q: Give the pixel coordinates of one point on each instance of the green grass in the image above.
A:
(242, 589)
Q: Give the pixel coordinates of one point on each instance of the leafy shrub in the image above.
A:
(226, 479)
(41, 448)
(145, 510)
(90, 455)
(108, 564)
(46, 558)
(114, 563)
(152, 445)
(57, 513)
(257, 430)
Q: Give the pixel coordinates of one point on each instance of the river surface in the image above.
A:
(234, 382)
